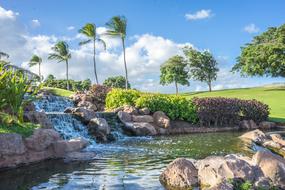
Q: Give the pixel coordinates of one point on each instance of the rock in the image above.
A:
(214, 170)
(38, 118)
(84, 114)
(99, 128)
(42, 139)
(124, 116)
(262, 183)
(272, 145)
(116, 110)
(222, 186)
(181, 173)
(255, 136)
(267, 125)
(144, 111)
(278, 139)
(131, 110)
(79, 156)
(87, 105)
(144, 129)
(30, 106)
(161, 120)
(142, 118)
(272, 166)
(11, 144)
(248, 124)
(62, 147)
(68, 110)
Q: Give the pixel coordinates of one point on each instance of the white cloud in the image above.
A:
(35, 23)
(70, 28)
(202, 14)
(251, 28)
(7, 14)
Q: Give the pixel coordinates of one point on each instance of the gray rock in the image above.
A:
(124, 116)
(38, 118)
(144, 129)
(11, 144)
(255, 136)
(142, 118)
(267, 125)
(248, 124)
(161, 120)
(144, 111)
(62, 147)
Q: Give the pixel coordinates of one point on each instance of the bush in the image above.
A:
(116, 82)
(229, 111)
(176, 107)
(119, 97)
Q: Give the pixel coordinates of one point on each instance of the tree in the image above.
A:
(116, 82)
(86, 84)
(174, 70)
(36, 60)
(264, 55)
(61, 53)
(5, 55)
(202, 65)
(89, 30)
(117, 27)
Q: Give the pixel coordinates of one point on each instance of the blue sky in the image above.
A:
(219, 26)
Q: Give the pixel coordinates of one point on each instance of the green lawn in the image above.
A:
(59, 92)
(272, 96)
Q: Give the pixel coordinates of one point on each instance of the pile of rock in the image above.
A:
(264, 170)
(43, 144)
(273, 142)
(141, 122)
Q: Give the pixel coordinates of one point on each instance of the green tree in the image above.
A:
(5, 55)
(117, 27)
(264, 55)
(36, 60)
(86, 84)
(174, 70)
(89, 30)
(202, 65)
(61, 53)
(116, 82)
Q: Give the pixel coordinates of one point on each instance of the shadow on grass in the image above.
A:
(277, 119)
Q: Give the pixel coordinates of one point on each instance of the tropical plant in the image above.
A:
(117, 27)
(89, 30)
(116, 82)
(202, 65)
(61, 53)
(264, 55)
(121, 97)
(36, 60)
(174, 70)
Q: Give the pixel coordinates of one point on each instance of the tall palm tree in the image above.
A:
(36, 60)
(61, 53)
(117, 27)
(89, 30)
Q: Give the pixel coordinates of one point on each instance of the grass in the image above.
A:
(272, 96)
(59, 92)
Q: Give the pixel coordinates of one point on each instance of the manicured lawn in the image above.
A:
(273, 96)
(59, 92)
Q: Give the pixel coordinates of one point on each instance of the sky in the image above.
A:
(156, 31)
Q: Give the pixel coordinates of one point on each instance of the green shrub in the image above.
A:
(119, 97)
(176, 107)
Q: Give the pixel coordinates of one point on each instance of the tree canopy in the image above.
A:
(264, 55)
(174, 71)
(116, 82)
(202, 65)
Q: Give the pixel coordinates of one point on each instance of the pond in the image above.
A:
(133, 163)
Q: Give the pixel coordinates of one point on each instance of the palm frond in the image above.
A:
(117, 26)
(84, 42)
(102, 42)
(35, 60)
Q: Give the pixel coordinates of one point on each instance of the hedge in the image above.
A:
(120, 97)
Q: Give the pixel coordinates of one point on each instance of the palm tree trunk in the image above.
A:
(67, 81)
(40, 73)
(126, 70)
(176, 88)
(94, 61)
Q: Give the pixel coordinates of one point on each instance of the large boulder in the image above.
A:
(99, 128)
(267, 125)
(124, 116)
(161, 120)
(11, 144)
(181, 173)
(278, 139)
(87, 105)
(272, 166)
(42, 139)
(130, 109)
(142, 118)
(222, 186)
(38, 118)
(84, 114)
(248, 124)
(62, 147)
(144, 111)
(140, 129)
(255, 136)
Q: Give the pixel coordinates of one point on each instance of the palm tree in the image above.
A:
(117, 27)
(89, 30)
(61, 53)
(36, 60)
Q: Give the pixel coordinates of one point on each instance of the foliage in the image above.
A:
(220, 111)
(120, 97)
(51, 81)
(176, 107)
(5, 55)
(203, 66)
(89, 30)
(264, 55)
(36, 60)
(116, 82)
(174, 70)
(117, 27)
(61, 53)
(99, 93)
